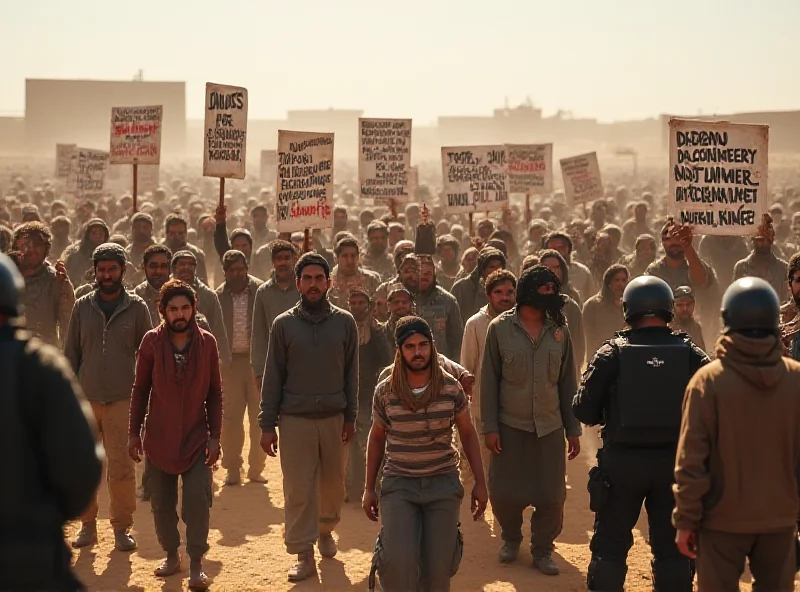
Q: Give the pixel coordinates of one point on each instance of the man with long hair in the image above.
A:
(528, 381)
(178, 376)
(414, 411)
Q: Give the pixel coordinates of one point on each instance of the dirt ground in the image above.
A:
(247, 551)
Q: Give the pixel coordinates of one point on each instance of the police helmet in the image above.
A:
(648, 295)
(11, 287)
(750, 303)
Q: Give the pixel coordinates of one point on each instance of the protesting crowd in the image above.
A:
(407, 359)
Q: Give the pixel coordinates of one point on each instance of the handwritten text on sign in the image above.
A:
(718, 175)
(64, 155)
(581, 176)
(136, 135)
(475, 178)
(225, 152)
(269, 166)
(384, 157)
(530, 168)
(89, 168)
(305, 180)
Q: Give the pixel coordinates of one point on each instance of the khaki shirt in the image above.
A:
(527, 385)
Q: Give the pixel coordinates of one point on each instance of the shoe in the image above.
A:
(546, 565)
(304, 568)
(87, 536)
(233, 478)
(123, 541)
(171, 565)
(198, 580)
(256, 477)
(327, 546)
(508, 552)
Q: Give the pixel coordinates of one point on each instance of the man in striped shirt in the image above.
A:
(414, 410)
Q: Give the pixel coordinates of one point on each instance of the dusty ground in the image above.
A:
(247, 551)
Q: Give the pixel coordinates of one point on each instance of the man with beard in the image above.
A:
(580, 276)
(374, 354)
(553, 261)
(527, 385)
(141, 239)
(156, 261)
(178, 378)
(414, 412)
(401, 304)
(377, 257)
(236, 298)
(78, 256)
(48, 299)
(681, 265)
(175, 230)
(636, 226)
(439, 309)
(348, 274)
(469, 292)
(310, 391)
(60, 227)
(501, 286)
(762, 263)
(184, 268)
(274, 297)
(240, 239)
(684, 316)
(644, 253)
(401, 249)
(447, 250)
(736, 503)
(634, 388)
(105, 330)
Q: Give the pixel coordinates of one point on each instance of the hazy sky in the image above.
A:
(609, 59)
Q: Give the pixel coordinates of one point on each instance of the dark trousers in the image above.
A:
(195, 507)
(636, 476)
(529, 471)
(721, 557)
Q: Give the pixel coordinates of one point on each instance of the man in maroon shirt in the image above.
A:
(177, 374)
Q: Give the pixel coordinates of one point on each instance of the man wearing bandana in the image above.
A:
(527, 384)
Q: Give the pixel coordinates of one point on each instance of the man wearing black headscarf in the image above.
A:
(527, 384)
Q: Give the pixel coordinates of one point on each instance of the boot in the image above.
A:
(171, 565)
(123, 541)
(508, 552)
(198, 580)
(546, 565)
(87, 536)
(304, 568)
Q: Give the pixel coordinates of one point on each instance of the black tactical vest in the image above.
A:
(650, 388)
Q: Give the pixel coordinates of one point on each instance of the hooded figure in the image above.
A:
(469, 291)
(78, 256)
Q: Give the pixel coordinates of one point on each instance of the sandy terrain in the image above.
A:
(247, 551)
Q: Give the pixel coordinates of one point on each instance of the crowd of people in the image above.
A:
(400, 357)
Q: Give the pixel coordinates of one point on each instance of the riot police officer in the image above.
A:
(634, 389)
(52, 465)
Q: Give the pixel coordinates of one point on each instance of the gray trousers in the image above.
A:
(530, 471)
(420, 545)
(357, 456)
(195, 507)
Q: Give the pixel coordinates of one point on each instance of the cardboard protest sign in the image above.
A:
(475, 178)
(530, 168)
(581, 176)
(718, 175)
(225, 150)
(64, 154)
(384, 157)
(136, 135)
(305, 181)
(88, 172)
(269, 166)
